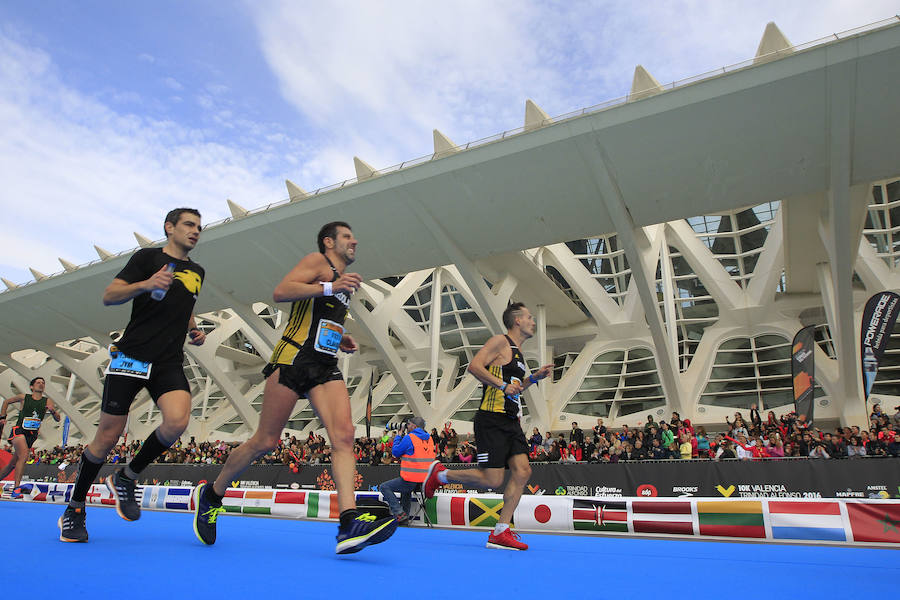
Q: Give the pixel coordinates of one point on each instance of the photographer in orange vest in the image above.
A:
(415, 449)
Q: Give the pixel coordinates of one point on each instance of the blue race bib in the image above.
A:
(31, 424)
(328, 337)
(120, 364)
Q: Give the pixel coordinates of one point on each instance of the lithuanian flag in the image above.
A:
(731, 518)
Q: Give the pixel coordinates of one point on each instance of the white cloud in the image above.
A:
(77, 172)
(378, 76)
(173, 84)
(147, 58)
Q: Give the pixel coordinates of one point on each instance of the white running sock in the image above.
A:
(500, 528)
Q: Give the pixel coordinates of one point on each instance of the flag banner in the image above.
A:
(599, 515)
(65, 431)
(878, 321)
(803, 369)
(792, 520)
(484, 512)
(258, 502)
(233, 500)
(321, 505)
(662, 517)
(444, 509)
(369, 406)
(178, 498)
(875, 522)
(731, 518)
(544, 513)
(289, 504)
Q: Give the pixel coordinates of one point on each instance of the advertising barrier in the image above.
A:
(783, 478)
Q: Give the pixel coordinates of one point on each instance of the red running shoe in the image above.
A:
(508, 540)
(432, 482)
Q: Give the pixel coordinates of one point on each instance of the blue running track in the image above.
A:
(158, 557)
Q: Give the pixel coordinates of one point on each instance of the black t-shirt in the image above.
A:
(157, 329)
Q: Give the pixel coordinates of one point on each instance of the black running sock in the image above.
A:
(87, 473)
(211, 496)
(152, 448)
(347, 516)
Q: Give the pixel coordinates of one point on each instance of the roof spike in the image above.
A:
(643, 84)
(69, 267)
(363, 169)
(142, 241)
(773, 44)
(9, 284)
(295, 192)
(443, 146)
(103, 253)
(535, 116)
(237, 211)
(37, 274)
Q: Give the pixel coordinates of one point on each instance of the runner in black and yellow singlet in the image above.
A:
(304, 365)
(493, 399)
(313, 334)
(25, 432)
(501, 443)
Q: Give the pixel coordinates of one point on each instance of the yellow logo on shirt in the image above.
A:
(190, 280)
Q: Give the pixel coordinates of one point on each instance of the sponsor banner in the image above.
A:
(731, 518)
(877, 324)
(662, 517)
(803, 370)
(792, 520)
(875, 522)
(797, 479)
(599, 515)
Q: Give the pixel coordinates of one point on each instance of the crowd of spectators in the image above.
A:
(750, 438)
(745, 438)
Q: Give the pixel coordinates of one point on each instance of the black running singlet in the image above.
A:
(32, 413)
(314, 329)
(492, 399)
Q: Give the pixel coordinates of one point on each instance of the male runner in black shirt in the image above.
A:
(304, 364)
(501, 443)
(149, 355)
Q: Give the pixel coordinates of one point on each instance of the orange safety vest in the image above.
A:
(414, 467)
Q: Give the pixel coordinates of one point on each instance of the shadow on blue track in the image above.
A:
(158, 556)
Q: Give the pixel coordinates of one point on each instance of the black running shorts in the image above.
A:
(119, 390)
(304, 375)
(31, 435)
(498, 438)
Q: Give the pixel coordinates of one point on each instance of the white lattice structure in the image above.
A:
(694, 313)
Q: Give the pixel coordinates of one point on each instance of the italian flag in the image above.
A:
(444, 509)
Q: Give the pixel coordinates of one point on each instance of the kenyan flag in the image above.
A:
(599, 515)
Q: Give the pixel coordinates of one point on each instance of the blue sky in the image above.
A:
(114, 112)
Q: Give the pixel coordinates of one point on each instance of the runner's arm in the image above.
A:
(306, 280)
(51, 408)
(7, 402)
(197, 334)
(484, 358)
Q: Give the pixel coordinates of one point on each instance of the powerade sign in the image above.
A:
(878, 321)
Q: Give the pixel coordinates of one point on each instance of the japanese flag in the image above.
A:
(543, 513)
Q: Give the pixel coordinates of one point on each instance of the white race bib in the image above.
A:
(120, 364)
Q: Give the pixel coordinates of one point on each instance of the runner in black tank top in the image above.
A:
(304, 364)
(25, 432)
(501, 442)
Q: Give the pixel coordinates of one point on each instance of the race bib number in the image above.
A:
(32, 424)
(328, 337)
(514, 403)
(120, 364)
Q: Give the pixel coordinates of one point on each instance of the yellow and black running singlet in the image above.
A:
(492, 399)
(314, 329)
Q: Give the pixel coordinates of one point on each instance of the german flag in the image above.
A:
(599, 515)
(732, 518)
